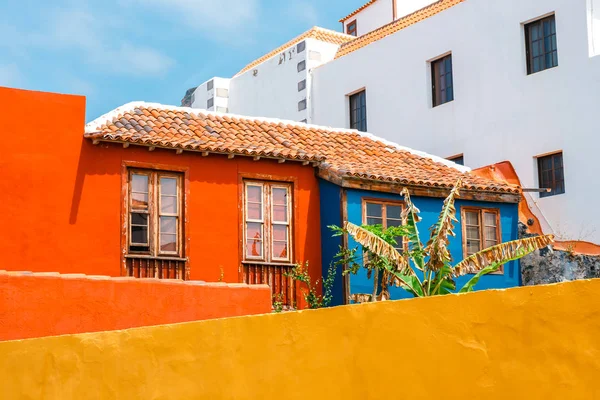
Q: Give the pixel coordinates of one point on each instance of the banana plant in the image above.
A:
(428, 270)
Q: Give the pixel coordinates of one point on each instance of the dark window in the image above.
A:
(459, 159)
(301, 66)
(303, 121)
(210, 102)
(358, 111)
(302, 105)
(551, 174)
(209, 85)
(441, 79)
(351, 28)
(302, 85)
(300, 47)
(540, 38)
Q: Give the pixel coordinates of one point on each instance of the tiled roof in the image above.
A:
(322, 34)
(396, 26)
(359, 9)
(342, 153)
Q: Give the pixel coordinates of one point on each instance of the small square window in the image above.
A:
(540, 40)
(210, 102)
(301, 66)
(300, 47)
(209, 85)
(441, 80)
(302, 105)
(358, 111)
(222, 92)
(551, 174)
(302, 85)
(351, 28)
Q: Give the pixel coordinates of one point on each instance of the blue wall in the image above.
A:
(429, 211)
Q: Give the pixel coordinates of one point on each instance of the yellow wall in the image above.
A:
(533, 342)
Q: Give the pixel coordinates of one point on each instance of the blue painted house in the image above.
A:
(483, 220)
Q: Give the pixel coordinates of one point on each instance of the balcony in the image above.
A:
(140, 266)
(283, 288)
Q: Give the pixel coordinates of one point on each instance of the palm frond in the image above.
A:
(410, 216)
(501, 254)
(378, 246)
(437, 247)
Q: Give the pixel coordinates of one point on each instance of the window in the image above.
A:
(386, 214)
(302, 85)
(540, 40)
(300, 47)
(301, 66)
(351, 28)
(154, 213)
(551, 174)
(459, 159)
(210, 102)
(481, 229)
(302, 105)
(358, 111)
(210, 85)
(441, 80)
(221, 92)
(267, 221)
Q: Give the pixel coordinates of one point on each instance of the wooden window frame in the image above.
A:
(357, 124)
(354, 30)
(541, 184)
(436, 86)
(529, 54)
(482, 237)
(156, 169)
(384, 203)
(267, 187)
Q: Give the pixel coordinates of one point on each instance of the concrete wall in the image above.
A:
(61, 195)
(536, 342)
(220, 87)
(372, 17)
(499, 112)
(48, 304)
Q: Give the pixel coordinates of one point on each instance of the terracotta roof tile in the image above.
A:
(322, 34)
(359, 9)
(342, 153)
(396, 26)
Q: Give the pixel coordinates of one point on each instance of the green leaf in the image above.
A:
(468, 287)
(410, 283)
(411, 217)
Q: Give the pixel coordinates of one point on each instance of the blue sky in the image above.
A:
(116, 51)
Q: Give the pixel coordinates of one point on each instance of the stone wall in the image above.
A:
(551, 266)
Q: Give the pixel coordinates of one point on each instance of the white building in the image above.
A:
(482, 81)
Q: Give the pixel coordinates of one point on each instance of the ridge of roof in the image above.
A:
(111, 115)
(395, 26)
(316, 32)
(359, 9)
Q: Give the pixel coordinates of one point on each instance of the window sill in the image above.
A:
(277, 264)
(147, 257)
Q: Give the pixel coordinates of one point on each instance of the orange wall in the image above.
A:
(61, 201)
(36, 305)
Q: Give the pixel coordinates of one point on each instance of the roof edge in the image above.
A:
(359, 9)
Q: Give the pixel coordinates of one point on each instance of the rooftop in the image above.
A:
(359, 9)
(395, 26)
(322, 34)
(339, 154)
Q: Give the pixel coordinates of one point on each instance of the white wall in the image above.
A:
(593, 11)
(372, 17)
(273, 90)
(405, 7)
(219, 94)
(499, 112)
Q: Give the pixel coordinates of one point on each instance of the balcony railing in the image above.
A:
(283, 288)
(140, 266)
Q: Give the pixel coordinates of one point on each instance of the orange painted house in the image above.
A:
(149, 190)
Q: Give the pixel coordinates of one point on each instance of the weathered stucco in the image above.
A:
(534, 342)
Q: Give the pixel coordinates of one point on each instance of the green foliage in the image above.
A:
(300, 274)
(278, 303)
(422, 271)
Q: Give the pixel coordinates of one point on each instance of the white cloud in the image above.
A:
(10, 75)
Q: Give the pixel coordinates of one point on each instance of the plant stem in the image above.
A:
(375, 283)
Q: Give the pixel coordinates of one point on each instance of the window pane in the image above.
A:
(489, 218)
(490, 243)
(280, 196)
(280, 249)
(168, 242)
(393, 212)
(393, 222)
(472, 218)
(254, 194)
(139, 201)
(168, 205)
(374, 221)
(168, 225)
(490, 234)
(374, 210)
(472, 232)
(473, 246)
(139, 234)
(254, 230)
(254, 211)
(139, 219)
(254, 248)
(139, 183)
(280, 232)
(280, 214)
(168, 186)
